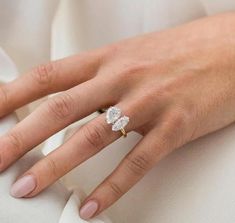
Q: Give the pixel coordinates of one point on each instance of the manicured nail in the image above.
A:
(23, 186)
(88, 210)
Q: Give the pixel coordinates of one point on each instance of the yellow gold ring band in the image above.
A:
(123, 132)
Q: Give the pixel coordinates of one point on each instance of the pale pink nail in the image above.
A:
(23, 186)
(88, 210)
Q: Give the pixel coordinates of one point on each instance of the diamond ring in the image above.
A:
(113, 116)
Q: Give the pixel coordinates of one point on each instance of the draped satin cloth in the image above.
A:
(194, 184)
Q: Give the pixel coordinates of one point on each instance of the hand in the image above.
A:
(175, 85)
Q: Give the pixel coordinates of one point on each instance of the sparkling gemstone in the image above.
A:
(120, 123)
(113, 114)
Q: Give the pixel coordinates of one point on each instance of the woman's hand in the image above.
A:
(175, 85)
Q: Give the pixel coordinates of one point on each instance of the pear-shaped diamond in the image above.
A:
(113, 113)
(120, 123)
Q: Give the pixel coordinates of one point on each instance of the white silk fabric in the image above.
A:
(194, 184)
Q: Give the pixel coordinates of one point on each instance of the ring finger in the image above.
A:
(86, 142)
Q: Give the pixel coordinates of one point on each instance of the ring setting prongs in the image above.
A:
(114, 117)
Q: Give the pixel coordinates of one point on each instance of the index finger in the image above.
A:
(48, 78)
(52, 116)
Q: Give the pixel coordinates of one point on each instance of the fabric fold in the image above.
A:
(70, 213)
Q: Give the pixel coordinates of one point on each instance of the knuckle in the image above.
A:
(175, 129)
(62, 106)
(139, 163)
(134, 68)
(177, 119)
(127, 73)
(44, 73)
(51, 167)
(114, 188)
(93, 134)
(112, 48)
(16, 143)
(111, 51)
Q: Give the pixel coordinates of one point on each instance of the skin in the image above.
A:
(185, 76)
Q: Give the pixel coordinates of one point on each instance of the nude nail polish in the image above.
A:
(89, 209)
(23, 186)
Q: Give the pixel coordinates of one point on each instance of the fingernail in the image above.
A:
(89, 209)
(23, 186)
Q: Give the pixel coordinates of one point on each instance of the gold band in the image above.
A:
(123, 132)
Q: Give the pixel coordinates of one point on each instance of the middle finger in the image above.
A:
(86, 142)
(52, 116)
